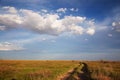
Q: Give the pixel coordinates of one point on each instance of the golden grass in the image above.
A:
(52, 70)
(34, 70)
(104, 70)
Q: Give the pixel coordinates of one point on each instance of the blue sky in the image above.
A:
(60, 29)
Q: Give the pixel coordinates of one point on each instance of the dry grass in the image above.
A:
(34, 70)
(104, 70)
(52, 70)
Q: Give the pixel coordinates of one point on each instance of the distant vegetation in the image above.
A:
(59, 70)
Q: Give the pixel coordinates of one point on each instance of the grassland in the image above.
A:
(104, 70)
(34, 70)
(58, 70)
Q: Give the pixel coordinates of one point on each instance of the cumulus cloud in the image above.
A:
(90, 31)
(62, 10)
(44, 10)
(7, 46)
(10, 20)
(116, 26)
(113, 24)
(73, 9)
(46, 23)
(10, 9)
(68, 20)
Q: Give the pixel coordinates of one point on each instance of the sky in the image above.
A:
(60, 29)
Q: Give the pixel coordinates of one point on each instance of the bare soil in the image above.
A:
(84, 74)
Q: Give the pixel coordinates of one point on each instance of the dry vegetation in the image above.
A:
(104, 70)
(53, 70)
(34, 70)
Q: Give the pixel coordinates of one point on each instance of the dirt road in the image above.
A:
(80, 72)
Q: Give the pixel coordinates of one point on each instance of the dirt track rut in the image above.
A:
(80, 72)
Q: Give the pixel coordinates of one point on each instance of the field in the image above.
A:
(104, 70)
(34, 70)
(59, 70)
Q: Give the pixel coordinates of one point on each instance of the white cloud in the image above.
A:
(116, 26)
(90, 31)
(68, 20)
(62, 10)
(7, 46)
(104, 24)
(10, 20)
(76, 29)
(91, 23)
(110, 35)
(2, 28)
(47, 23)
(113, 24)
(43, 39)
(10, 9)
(44, 10)
(101, 28)
(73, 9)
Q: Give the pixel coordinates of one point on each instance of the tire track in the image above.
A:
(80, 72)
